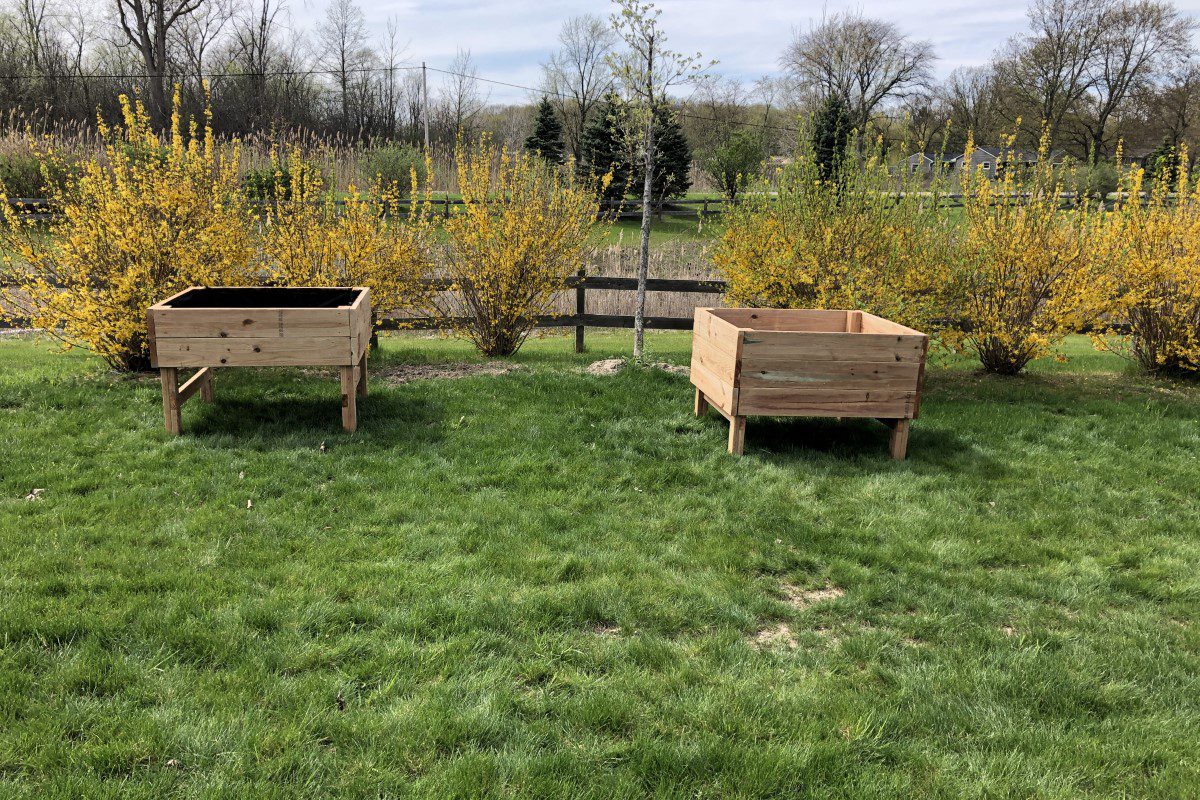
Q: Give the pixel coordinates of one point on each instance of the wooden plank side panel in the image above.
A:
(785, 319)
(360, 312)
(720, 363)
(360, 322)
(832, 346)
(762, 370)
(872, 323)
(256, 323)
(719, 323)
(888, 403)
(167, 300)
(720, 394)
(245, 352)
(151, 338)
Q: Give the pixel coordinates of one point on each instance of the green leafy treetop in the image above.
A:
(673, 160)
(736, 163)
(604, 149)
(547, 137)
(1163, 161)
(830, 135)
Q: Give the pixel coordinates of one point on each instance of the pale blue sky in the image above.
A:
(510, 39)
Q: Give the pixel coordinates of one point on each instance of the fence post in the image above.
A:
(446, 212)
(580, 308)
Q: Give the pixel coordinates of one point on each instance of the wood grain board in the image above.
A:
(807, 362)
(191, 334)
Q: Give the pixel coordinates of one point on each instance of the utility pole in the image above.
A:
(425, 102)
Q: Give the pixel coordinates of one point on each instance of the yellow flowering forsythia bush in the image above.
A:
(523, 230)
(310, 239)
(144, 221)
(1021, 269)
(1152, 245)
(862, 239)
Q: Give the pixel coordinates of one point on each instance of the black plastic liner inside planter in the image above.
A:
(264, 297)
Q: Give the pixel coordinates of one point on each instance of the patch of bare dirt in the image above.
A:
(801, 599)
(611, 366)
(606, 630)
(674, 369)
(775, 636)
(781, 634)
(403, 373)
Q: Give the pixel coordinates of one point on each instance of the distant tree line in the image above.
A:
(62, 61)
(1093, 72)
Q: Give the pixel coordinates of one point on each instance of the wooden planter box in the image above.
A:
(235, 326)
(803, 363)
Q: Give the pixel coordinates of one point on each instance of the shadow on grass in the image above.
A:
(386, 419)
(783, 439)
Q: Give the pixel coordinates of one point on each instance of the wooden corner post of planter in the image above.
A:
(716, 361)
(235, 326)
(807, 363)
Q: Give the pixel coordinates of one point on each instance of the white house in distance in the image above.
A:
(990, 160)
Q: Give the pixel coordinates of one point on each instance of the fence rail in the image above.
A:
(41, 208)
(580, 320)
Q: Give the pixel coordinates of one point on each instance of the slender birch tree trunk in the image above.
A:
(639, 315)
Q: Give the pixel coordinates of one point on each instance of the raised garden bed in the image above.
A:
(807, 363)
(234, 326)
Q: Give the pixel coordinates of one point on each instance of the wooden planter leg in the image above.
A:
(349, 398)
(701, 404)
(206, 388)
(362, 376)
(898, 446)
(737, 435)
(169, 376)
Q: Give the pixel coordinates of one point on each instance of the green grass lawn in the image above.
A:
(665, 230)
(548, 584)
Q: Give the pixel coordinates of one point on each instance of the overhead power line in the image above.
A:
(566, 96)
(275, 73)
(132, 76)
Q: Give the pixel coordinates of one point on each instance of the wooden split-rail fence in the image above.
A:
(41, 208)
(580, 320)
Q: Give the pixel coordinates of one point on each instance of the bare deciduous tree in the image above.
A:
(971, 99)
(460, 99)
(253, 55)
(1172, 108)
(196, 34)
(148, 24)
(576, 77)
(1136, 37)
(866, 62)
(722, 104)
(390, 90)
(1047, 70)
(343, 50)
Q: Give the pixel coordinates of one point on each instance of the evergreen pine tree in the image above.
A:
(1163, 161)
(830, 135)
(603, 150)
(673, 160)
(547, 136)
